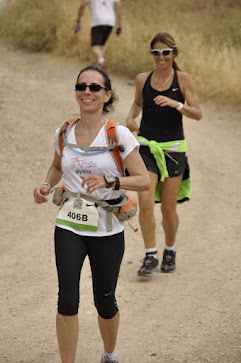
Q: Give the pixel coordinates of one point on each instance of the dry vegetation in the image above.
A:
(207, 32)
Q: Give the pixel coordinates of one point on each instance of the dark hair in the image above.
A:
(108, 106)
(167, 39)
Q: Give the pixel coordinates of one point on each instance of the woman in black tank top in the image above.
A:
(161, 123)
(163, 96)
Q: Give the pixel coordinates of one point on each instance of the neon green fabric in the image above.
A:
(157, 149)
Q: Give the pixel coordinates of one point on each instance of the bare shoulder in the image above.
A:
(185, 81)
(141, 79)
(184, 77)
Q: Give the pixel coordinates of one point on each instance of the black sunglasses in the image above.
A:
(158, 52)
(93, 87)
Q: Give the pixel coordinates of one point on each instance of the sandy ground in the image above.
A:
(192, 315)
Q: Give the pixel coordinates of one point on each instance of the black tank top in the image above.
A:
(161, 123)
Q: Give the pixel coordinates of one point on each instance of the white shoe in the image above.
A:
(105, 359)
(103, 65)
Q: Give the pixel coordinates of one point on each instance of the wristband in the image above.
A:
(47, 184)
(117, 183)
(180, 106)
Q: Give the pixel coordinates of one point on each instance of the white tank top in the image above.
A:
(103, 12)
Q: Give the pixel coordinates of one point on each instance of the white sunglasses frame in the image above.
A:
(161, 52)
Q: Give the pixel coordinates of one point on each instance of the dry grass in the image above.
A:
(208, 34)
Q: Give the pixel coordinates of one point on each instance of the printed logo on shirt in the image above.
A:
(175, 89)
(82, 166)
(80, 163)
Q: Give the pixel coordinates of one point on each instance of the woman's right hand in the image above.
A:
(132, 125)
(93, 182)
(40, 194)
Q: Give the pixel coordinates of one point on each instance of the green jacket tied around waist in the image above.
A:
(157, 149)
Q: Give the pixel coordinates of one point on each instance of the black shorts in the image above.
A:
(100, 34)
(176, 162)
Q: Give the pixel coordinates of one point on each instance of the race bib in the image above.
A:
(79, 214)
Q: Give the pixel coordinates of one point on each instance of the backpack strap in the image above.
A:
(63, 129)
(112, 140)
(111, 137)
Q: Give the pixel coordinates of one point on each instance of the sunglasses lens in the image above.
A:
(166, 52)
(80, 87)
(95, 87)
(155, 53)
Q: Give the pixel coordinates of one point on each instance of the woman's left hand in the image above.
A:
(163, 101)
(93, 182)
(40, 194)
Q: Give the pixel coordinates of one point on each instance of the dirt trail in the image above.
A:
(190, 316)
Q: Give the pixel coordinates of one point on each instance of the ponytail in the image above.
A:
(175, 66)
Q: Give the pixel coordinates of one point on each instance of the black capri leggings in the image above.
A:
(105, 255)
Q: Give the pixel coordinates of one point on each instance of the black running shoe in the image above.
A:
(149, 264)
(169, 261)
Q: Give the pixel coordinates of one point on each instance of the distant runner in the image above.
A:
(104, 14)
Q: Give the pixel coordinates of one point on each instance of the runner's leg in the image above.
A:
(146, 214)
(105, 254)
(170, 220)
(70, 252)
